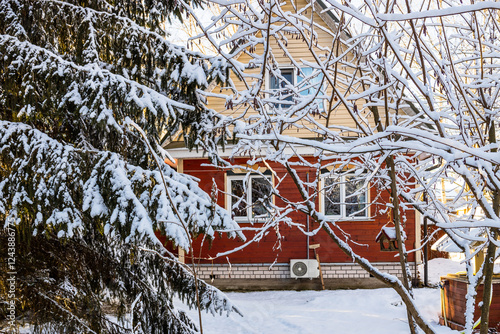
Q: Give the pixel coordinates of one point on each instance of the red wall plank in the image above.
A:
(293, 242)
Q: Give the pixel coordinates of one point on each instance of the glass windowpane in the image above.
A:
(312, 86)
(261, 191)
(355, 197)
(279, 86)
(332, 198)
(238, 199)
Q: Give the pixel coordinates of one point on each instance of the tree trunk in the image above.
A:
(487, 287)
(489, 260)
(403, 259)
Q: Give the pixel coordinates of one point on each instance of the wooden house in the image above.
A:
(266, 263)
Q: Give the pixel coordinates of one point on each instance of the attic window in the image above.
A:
(306, 81)
(309, 82)
(278, 86)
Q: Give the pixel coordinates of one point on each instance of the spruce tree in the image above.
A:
(79, 187)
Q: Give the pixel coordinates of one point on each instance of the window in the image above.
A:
(345, 197)
(278, 85)
(310, 87)
(306, 81)
(249, 196)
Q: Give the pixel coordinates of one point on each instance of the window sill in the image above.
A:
(346, 219)
(334, 219)
(249, 221)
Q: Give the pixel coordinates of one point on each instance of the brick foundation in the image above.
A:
(282, 271)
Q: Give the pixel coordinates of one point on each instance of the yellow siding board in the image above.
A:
(298, 50)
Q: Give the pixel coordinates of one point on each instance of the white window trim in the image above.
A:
(342, 216)
(295, 79)
(281, 68)
(228, 198)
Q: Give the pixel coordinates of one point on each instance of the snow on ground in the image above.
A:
(376, 311)
(440, 267)
(316, 312)
(331, 311)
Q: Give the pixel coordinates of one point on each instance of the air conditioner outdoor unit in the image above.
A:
(304, 268)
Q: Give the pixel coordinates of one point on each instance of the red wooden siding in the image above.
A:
(455, 289)
(294, 242)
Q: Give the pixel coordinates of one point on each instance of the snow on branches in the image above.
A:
(407, 91)
(87, 199)
(57, 185)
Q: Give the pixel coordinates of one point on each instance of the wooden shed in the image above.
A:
(453, 302)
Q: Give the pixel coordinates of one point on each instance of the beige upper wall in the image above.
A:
(299, 50)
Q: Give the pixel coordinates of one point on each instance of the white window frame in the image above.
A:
(294, 83)
(248, 192)
(342, 185)
(284, 68)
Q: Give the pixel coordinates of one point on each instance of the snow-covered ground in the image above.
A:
(316, 312)
(332, 311)
(440, 267)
